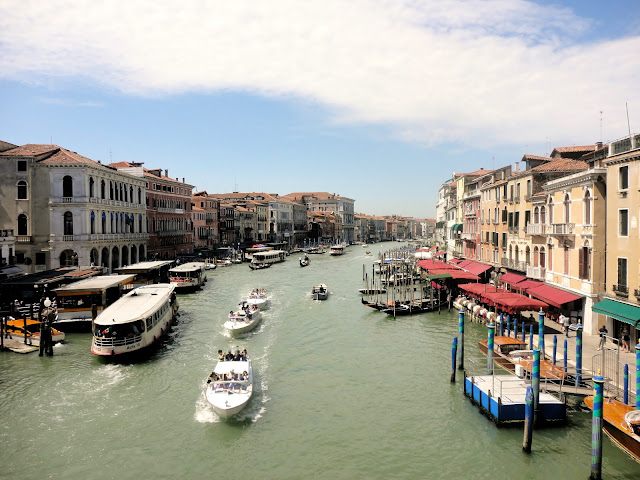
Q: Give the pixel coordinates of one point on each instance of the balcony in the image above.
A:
(537, 273)
(468, 236)
(561, 229)
(536, 229)
(621, 291)
(24, 239)
(512, 264)
(6, 233)
(517, 199)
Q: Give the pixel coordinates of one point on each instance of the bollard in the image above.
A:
(530, 337)
(541, 333)
(578, 354)
(555, 348)
(461, 333)
(523, 331)
(454, 354)
(535, 384)
(508, 325)
(528, 421)
(566, 360)
(490, 348)
(625, 394)
(637, 376)
(596, 429)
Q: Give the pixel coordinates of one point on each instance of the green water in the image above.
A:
(342, 391)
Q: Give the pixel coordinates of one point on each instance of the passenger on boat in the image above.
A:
(220, 356)
(229, 356)
(243, 355)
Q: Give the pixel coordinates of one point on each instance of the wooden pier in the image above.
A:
(18, 346)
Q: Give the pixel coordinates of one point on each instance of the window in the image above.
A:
(536, 215)
(550, 260)
(566, 260)
(93, 222)
(543, 214)
(623, 216)
(104, 222)
(22, 224)
(623, 178)
(584, 271)
(91, 184)
(40, 258)
(622, 272)
(527, 217)
(22, 165)
(22, 190)
(110, 190)
(102, 190)
(528, 188)
(587, 208)
(67, 186)
(543, 258)
(68, 223)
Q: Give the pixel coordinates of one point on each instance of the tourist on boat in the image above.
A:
(220, 356)
(243, 355)
(229, 356)
(236, 357)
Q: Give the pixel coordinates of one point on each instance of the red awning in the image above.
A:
(476, 268)
(477, 289)
(512, 302)
(553, 296)
(511, 278)
(455, 261)
(526, 284)
(463, 263)
(455, 274)
(436, 264)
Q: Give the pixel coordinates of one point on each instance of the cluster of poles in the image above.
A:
(531, 416)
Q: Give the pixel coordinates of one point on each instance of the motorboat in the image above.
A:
(258, 265)
(621, 424)
(258, 298)
(136, 321)
(229, 387)
(210, 266)
(244, 320)
(320, 292)
(16, 328)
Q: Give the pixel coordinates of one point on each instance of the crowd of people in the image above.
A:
(238, 356)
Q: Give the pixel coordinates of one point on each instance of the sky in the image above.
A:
(376, 100)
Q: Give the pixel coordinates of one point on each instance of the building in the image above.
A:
(205, 214)
(69, 210)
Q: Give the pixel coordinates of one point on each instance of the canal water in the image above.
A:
(341, 392)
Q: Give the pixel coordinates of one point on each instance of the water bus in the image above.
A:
(268, 257)
(188, 277)
(148, 272)
(336, 250)
(75, 302)
(136, 321)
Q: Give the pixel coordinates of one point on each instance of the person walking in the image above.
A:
(625, 340)
(603, 336)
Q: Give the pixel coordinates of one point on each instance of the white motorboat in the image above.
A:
(259, 298)
(230, 387)
(320, 292)
(244, 320)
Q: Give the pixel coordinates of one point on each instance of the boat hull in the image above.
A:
(261, 303)
(614, 426)
(227, 401)
(239, 327)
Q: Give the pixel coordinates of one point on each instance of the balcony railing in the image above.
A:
(561, 229)
(512, 264)
(517, 199)
(101, 237)
(536, 229)
(6, 233)
(621, 290)
(468, 236)
(537, 273)
(23, 239)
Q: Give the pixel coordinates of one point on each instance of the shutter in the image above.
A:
(581, 263)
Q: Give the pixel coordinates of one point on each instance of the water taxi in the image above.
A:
(136, 321)
(244, 320)
(75, 302)
(267, 258)
(320, 292)
(258, 298)
(621, 424)
(188, 277)
(230, 386)
(16, 328)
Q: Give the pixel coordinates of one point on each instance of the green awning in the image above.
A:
(457, 227)
(438, 276)
(620, 311)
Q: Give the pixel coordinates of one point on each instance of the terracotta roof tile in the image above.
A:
(64, 156)
(574, 149)
(561, 165)
(30, 150)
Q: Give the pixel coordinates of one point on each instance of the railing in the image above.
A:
(116, 342)
(536, 229)
(621, 290)
(504, 261)
(512, 264)
(537, 273)
(106, 201)
(23, 239)
(93, 237)
(468, 236)
(561, 229)
(517, 199)
(6, 233)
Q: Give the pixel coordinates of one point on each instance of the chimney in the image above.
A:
(598, 145)
(182, 179)
(517, 167)
(166, 172)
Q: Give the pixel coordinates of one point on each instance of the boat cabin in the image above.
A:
(148, 272)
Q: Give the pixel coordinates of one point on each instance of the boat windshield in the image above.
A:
(236, 386)
(121, 330)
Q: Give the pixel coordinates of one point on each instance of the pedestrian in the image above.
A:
(603, 336)
(625, 339)
(564, 323)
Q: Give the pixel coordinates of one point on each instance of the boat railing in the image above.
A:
(117, 341)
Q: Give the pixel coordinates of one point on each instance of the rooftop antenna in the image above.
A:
(628, 124)
(601, 126)
(546, 146)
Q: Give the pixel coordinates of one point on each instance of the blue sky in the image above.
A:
(377, 100)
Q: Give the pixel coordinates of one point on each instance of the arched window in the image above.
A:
(91, 183)
(543, 214)
(22, 225)
(542, 257)
(22, 190)
(103, 190)
(587, 208)
(104, 222)
(567, 208)
(117, 191)
(536, 215)
(93, 222)
(131, 194)
(67, 186)
(112, 225)
(110, 190)
(536, 257)
(139, 195)
(68, 223)
(140, 223)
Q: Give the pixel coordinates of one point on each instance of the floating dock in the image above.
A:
(502, 397)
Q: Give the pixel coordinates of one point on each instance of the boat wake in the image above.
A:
(204, 413)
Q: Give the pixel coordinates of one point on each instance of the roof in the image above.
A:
(30, 150)
(553, 296)
(96, 283)
(561, 165)
(64, 156)
(141, 302)
(581, 150)
(144, 266)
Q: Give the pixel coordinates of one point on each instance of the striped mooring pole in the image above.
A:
(508, 325)
(555, 348)
(530, 337)
(566, 359)
(578, 353)
(515, 327)
(491, 333)
(461, 342)
(596, 429)
(541, 333)
(522, 331)
(454, 354)
(535, 384)
(638, 377)
(528, 421)
(625, 391)
(500, 324)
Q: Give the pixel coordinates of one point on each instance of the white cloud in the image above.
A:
(476, 72)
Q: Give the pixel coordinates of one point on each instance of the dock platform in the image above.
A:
(18, 346)
(502, 397)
